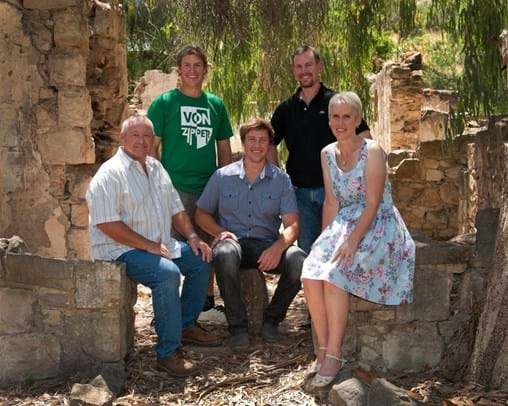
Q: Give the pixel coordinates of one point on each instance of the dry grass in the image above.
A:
(269, 374)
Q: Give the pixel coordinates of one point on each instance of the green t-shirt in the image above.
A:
(189, 128)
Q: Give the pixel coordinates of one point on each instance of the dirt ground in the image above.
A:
(269, 374)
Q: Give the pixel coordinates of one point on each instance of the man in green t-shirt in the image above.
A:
(191, 124)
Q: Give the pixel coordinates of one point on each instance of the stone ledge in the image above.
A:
(48, 4)
(443, 252)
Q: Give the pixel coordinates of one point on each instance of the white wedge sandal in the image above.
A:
(320, 381)
(314, 367)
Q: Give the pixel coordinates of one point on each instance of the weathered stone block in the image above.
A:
(449, 193)
(28, 356)
(67, 68)
(370, 338)
(360, 305)
(409, 169)
(51, 317)
(351, 392)
(384, 393)
(48, 4)
(42, 37)
(431, 163)
(434, 175)
(71, 30)
(255, 297)
(78, 241)
(74, 108)
(93, 337)
(456, 172)
(79, 146)
(384, 315)
(437, 217)
(16, 310)
(101, 284)
(96, 393)
(79, 215)
(54, 298)
(78, 185)
(431, 297)
(39, 271)
(433, 125)
(431, 198)
(441, 252)
(412, 347)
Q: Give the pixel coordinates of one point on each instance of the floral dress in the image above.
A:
(383, 266)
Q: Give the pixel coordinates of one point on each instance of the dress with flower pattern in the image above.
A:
(383, 266)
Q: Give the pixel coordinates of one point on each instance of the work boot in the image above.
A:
(239, 342)
(270, 332)
(176, 365)
(197, 335)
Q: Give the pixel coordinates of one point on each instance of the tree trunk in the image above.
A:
(489, 361)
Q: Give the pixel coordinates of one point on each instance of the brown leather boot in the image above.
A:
(176, 365)
(197, 335)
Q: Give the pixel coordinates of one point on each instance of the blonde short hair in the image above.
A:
(349, 98)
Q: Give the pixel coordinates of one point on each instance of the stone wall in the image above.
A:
(429, 186)
(440, 187)
(62, 99)
(483, 183)
(418, 336)
(59, 317)
(397, 94)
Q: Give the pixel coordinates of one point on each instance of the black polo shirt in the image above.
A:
(306, 132)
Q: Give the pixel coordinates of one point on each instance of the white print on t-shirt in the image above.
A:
(196, 124)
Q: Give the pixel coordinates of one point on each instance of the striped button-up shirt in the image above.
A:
(122, 191)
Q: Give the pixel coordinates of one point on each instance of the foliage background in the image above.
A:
(249, 44)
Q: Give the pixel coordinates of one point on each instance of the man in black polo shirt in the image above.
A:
(302, 121)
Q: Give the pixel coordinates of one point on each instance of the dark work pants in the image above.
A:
(230, 257)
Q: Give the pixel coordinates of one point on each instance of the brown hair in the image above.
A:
(256, 124)
(304, 48)
(191, 50)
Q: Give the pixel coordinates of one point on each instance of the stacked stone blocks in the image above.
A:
(60, 316)
(415, 336)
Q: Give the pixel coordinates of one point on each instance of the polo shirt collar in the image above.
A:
(319, 94)
(266, 172)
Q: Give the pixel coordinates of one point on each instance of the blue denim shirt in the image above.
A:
(249, 210)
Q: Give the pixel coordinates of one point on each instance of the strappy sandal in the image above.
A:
(314, 367)
(320, 381)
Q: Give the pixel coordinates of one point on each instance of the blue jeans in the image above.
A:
(310, 207)
(172, 312)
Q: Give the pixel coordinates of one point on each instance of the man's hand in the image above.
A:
(158, 249)
(270, 258)
(224, 236)
(197, 245)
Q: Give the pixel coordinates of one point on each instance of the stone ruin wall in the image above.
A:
(62, 316)
(438, 185)
(64, 63)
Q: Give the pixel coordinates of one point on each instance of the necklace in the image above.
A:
(344, 159)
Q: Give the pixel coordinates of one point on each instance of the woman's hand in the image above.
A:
(345, 253)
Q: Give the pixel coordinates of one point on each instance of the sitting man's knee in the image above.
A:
(169, 275)
(226, 254)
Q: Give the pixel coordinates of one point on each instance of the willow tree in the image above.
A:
(249, 42)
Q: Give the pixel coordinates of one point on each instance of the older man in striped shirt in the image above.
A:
(133, 206)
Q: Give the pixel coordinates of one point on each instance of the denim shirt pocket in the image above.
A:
(270, 202)
(230, 201)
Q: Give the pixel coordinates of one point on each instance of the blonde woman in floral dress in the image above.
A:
(364, 249)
